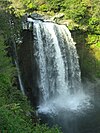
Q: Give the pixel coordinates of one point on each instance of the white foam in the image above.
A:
(75, 103)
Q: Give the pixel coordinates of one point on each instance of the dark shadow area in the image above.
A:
(28, 68)
(90, 66)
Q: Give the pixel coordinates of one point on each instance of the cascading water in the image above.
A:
(17, 68)
(59, 80)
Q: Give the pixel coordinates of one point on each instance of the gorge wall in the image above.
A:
(27, 66)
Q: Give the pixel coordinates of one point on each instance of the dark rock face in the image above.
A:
(28, 66)
(36, 16)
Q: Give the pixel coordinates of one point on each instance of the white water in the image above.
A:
(61, 84)
(43, 84)
(19, 78)
(59, 72)
(17, 67)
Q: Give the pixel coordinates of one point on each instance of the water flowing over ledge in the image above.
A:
(59, 78)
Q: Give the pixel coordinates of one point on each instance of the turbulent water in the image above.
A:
(59, 80)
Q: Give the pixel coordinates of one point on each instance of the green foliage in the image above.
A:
(45, 129)
(12, 121)
(15, 110)
(43, 8)
(20, 7)
(76, 11)
(5, 62)
(13, 106)
(55, 5)
(4, 24)
(94, 25)
(93, 39)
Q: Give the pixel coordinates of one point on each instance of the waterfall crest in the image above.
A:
(59, 72)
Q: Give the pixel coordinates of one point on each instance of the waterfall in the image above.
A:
(59, 79)
(17, 67)
(19, 78)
